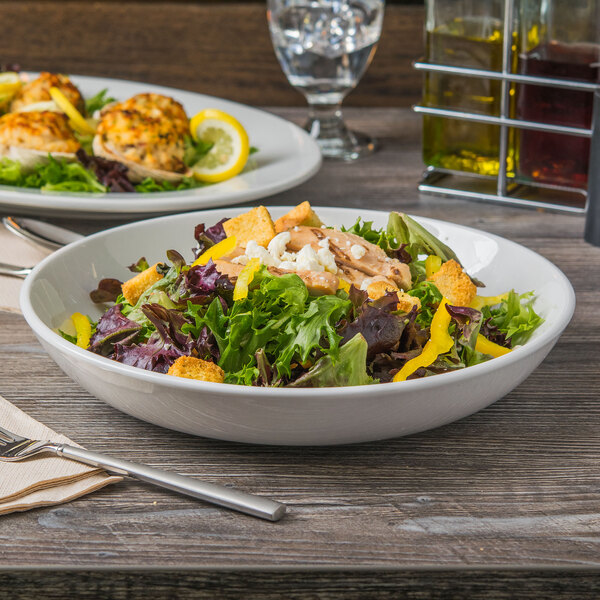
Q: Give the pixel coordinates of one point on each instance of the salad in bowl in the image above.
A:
(297, 303)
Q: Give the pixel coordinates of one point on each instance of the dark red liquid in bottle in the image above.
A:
(554, 158)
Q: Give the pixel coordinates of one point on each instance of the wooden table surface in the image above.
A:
(512, 490)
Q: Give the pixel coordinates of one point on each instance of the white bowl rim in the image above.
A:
(481, 369)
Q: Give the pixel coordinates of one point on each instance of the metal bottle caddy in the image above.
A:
(507, 190)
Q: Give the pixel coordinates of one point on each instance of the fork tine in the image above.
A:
(8, 436)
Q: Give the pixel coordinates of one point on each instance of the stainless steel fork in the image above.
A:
(13, 447)
(14, 270)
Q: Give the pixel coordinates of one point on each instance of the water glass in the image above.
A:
(324, 47)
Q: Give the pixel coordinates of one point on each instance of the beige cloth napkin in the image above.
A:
(46, 479)
(15, 251)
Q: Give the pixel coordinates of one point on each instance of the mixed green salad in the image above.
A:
(266, 327)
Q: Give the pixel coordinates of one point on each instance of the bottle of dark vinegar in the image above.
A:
(549, 38)
(561, 39)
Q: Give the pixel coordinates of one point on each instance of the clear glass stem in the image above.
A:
(326, 124)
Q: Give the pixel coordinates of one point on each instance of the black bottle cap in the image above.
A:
(592, 219)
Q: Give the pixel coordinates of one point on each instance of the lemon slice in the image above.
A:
(10, 83)
(76, 118)
(230, 150)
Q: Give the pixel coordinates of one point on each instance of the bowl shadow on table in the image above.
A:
(489, 452)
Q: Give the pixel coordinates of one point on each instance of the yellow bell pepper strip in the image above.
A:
(480, 301)
(433, 264)
(76, 118)
(486, 346)
(83, 328)
(240, 291)
(343, 285)
(440, 341)
(222, 248)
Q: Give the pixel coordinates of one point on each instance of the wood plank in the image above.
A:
(219, 49)
(410, 585)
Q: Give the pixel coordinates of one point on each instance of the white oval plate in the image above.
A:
(286, 157)
(60, 285)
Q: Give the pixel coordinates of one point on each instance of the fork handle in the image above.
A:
(256, 506)
(14, 271)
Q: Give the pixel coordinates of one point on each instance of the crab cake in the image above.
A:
(147, 134)
(30, 136)
(38, 90)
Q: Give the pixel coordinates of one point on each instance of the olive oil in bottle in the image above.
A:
(454, 144)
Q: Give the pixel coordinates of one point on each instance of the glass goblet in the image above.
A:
(324, 47)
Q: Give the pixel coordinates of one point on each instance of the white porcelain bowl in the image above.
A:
(60, 285)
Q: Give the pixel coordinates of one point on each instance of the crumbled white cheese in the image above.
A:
(287, 265)
(307, 260)
(366, 283)
(357, 251)
(278, 244)
(253, 250)
(327, 259)
(276, 255)
(296, 228)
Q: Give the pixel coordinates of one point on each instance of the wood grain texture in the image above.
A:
(514, 486)
(221, 49)
(360, 585)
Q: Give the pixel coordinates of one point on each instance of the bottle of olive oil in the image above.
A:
(472, 38)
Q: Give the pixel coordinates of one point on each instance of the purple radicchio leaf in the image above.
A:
(208, 237)
(202, 281)
(358, 298)
(139, 266)
(492, 333)
(402, 255)
(381, 329)
(206, 346)
(154, 355)
(167, 343)
(168, 323)
(468, 321)
(112, 327)
(110, 173)
(413, 336)
(176, 259)
(108, 290)
(388, 302)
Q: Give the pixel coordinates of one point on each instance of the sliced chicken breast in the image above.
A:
(356, 259)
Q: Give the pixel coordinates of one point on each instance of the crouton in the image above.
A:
(406, 302)
(254, 225)
(303, 214)
(133, 288)
(454, 284)
(196, 368)
(378, 288)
